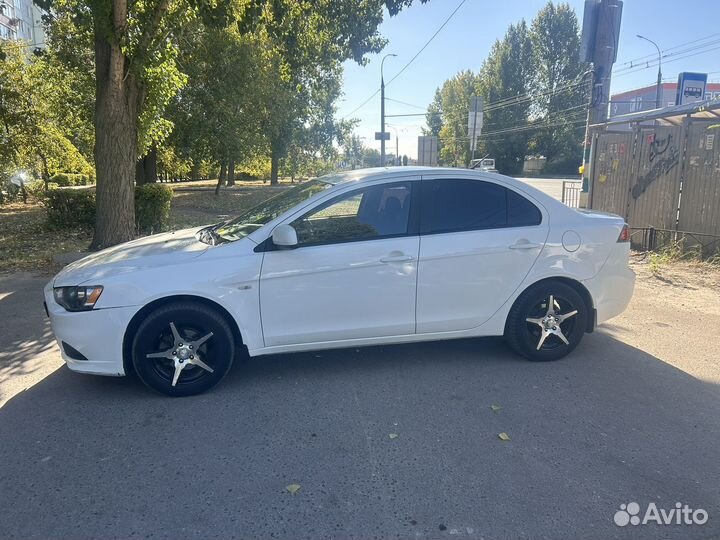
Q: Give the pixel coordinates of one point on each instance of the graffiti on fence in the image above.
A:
(658, 146)
(664, 156)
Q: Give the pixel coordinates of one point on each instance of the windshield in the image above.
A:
(265, 212)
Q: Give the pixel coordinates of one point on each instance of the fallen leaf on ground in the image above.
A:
(293, 488)
(393, 435)
(495, 408)
(503, 436)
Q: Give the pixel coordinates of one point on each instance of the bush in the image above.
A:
(36, 189)
(565, 165)
(69, 179)
(70, 207)
(152, 207)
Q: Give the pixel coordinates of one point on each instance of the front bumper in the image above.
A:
(96, 335)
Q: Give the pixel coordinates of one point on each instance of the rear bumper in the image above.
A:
(612, 288)
(96, 335)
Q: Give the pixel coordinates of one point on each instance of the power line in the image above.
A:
(507, 102)
(404, 103)
(666, 62)
(427, 42)
(410, 62)
(651, 55)
(700, 49)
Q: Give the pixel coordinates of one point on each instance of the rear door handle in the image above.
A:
(397, 259)
(524, 244)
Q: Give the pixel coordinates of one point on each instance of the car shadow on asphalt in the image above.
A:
(384, 441)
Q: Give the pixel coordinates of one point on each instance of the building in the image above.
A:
(644, 99)
(22, 20)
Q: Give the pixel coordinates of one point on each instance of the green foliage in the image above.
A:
(507, 72)
(455, 96)
(69, 208)
(37, 133)
(564, 165)
(36, 190)
(152, 207)
(353, 148)
(70, 179)
(555, 38)
(540, 62)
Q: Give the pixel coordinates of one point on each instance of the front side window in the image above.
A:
(265, 212)
(454, 205)
(365, 214)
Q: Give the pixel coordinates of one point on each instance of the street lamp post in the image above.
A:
(382, 111)
(658, 91)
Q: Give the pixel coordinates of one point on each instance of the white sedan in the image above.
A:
(366, 257)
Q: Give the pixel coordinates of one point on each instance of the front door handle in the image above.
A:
(525, 244)
(399, 258)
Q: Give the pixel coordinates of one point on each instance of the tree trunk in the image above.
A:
(221, 177)
(231, 172)
(274, 166)
(116, 110)
(146, 170)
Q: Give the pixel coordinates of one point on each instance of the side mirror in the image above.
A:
(284, 236)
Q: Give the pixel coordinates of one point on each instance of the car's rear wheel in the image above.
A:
(547, 321)
(183, 349)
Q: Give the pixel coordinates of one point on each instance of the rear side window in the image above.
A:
(464, 205)
(521, 212)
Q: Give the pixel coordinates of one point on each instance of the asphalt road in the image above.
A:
(84, 456)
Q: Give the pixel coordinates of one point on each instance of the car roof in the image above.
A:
(361, 176)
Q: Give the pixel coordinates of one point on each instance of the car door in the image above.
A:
(353, 273)
(478, 241)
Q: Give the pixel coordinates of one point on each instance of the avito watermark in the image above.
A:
(681, 514)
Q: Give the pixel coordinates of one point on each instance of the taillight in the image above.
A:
(624, 234)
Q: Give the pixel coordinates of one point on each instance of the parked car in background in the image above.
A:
(483, 165)
(366, 257)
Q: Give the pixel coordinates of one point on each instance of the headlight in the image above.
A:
(77, 298)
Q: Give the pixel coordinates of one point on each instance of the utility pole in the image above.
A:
(382, 111)
(658, 90)
(600, 34)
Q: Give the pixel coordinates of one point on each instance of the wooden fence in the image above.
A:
(660, 177)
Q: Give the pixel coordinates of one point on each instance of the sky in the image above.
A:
(466, 41)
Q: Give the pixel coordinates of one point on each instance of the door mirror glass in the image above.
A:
(284, 236)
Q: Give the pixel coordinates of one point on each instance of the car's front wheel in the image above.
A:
(547, 321)
(183, 349)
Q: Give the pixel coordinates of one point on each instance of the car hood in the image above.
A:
(151, 251)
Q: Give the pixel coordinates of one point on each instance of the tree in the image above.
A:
(371, 157)
(136, 74)
(434, 117)
(506, 73)
(353, 150)
(35, 135)
(455, 97)
(554, 34)
(533, 99)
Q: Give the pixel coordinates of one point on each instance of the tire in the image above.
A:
(174, 341)
(525, 337)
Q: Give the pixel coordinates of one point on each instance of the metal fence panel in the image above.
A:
(655, 184)
(571, 193)
(611, 172)
(700, 199)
